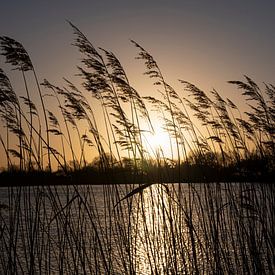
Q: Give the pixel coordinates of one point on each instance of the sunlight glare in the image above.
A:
(158, 142)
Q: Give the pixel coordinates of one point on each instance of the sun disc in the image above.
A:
(158, 142)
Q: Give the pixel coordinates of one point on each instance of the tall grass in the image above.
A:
(199, 124)
(135, 228)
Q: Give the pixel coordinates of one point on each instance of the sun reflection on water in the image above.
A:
(157, 222)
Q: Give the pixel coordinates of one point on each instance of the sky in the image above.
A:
(208, 42)
(204, 42)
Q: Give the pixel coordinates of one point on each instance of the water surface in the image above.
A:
(163, 229)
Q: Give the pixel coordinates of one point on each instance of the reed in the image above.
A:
(158, 221)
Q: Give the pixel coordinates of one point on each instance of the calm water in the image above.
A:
(164, 229)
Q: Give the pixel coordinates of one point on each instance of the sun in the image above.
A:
(157, 142)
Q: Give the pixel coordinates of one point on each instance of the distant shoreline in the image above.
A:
(9, 179)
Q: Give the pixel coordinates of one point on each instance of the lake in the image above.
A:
(211, 228)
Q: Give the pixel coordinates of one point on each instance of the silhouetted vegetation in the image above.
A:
(208, 134)
(249, 170)
(205, 130)
(64, 214)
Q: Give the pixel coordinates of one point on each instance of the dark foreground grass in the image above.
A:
(224, 225)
